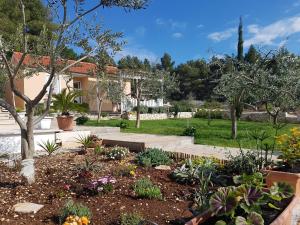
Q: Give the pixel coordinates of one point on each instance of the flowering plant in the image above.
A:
(103, 184)
(117, 153)
(289, 145)
(126, 170)
(76, 220)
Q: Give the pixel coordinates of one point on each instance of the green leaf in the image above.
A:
(240, 221)
(220, 222)
(273, 206)
(255, 219)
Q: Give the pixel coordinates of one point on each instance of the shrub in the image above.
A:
(126, 170)
(157, 110)
(99, 150)
(208, 114)
(104, 114)
(131, 219)
(289, 145)
(189, 131)
(82, 120)
(245, 162)
(39, 109)
(143, 109)
(124, 124)
(49, 146)
(212, 105)
(103, 184)
(144, 188)
(85, 141)
(75, 209)
(153, 157)
(19, 110)
(191, 170)
(182, 106)
(117, 153)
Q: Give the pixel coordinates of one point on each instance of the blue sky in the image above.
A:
(192, 29)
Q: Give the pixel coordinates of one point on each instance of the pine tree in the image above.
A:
(166, 62)
(252, 55)
(240, 47)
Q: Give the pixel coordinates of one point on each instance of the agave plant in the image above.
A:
(65, 102)
(85, 141)
(49, 146)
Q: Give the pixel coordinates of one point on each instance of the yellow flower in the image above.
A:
(132, 173)
(295, 132)
(85, 220)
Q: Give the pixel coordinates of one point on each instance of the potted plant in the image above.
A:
(288, 169)
(65, 103)
(248, 203)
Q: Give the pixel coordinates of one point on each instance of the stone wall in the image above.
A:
(161, 116)
(246, 116)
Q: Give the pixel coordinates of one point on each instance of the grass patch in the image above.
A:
(218, 133)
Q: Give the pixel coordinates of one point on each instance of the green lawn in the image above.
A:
(217, 134)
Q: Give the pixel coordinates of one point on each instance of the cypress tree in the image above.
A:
(240, 47)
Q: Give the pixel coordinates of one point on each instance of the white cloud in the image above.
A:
(297, 3)
(137, 51)
(140, 31)
(269, 34)
(222, 35)
(253, 28)
(171, 23)
(159, 21)
(199, 26)
(177, 35)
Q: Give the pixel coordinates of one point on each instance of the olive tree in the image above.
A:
(68, 16)
(234, 88)
(275, 82)
(149, 84)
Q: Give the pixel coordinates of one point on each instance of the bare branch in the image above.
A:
(13, 112)
(24, 27)
(83, 14)
(12, 81)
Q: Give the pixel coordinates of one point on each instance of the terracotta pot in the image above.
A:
(201, 218)
(285, 218)
(278, 176)
(65, 123)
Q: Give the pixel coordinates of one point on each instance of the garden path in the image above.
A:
(170, 143)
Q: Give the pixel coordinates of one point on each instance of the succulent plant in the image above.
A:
(224, 201)
(281, 190)
(253, 218)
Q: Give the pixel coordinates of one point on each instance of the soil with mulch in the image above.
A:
(54, 172)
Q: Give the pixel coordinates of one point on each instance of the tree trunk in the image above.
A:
(138, 109)
(99, 110)
(233, 122)
(27, 149)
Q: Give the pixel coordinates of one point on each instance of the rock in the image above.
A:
(27, 207)
(163, 167)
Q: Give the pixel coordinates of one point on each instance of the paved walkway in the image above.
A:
(170, 143)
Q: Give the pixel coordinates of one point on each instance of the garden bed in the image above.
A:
(52, 175)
